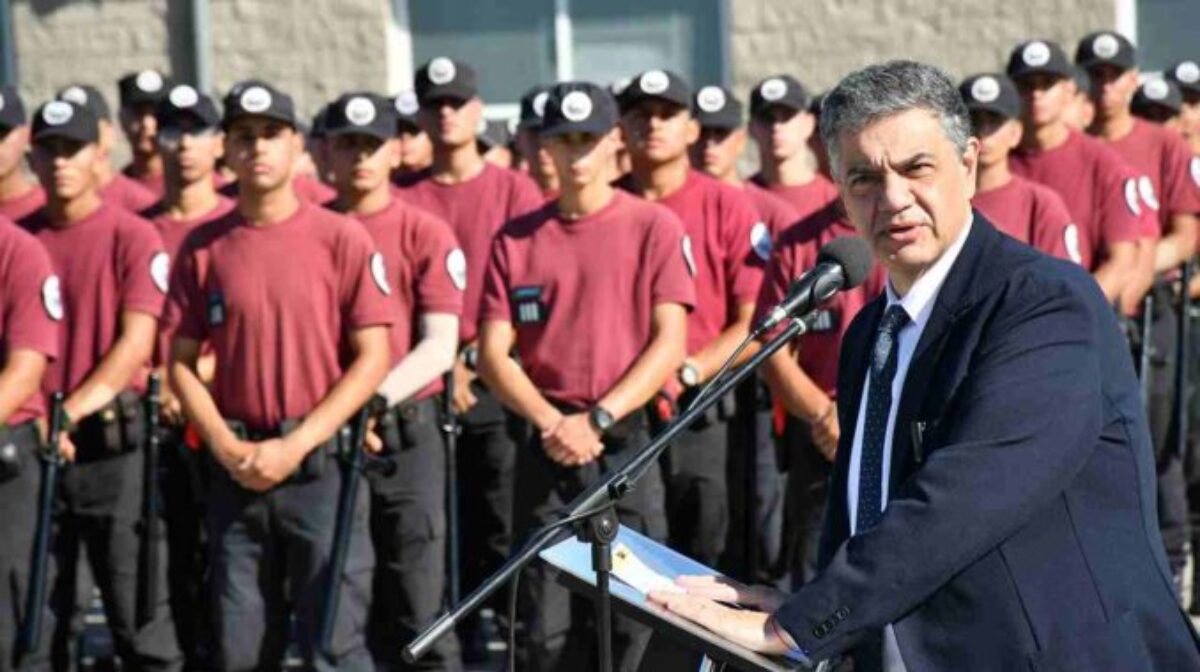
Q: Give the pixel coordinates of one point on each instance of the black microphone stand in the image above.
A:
(594, 509)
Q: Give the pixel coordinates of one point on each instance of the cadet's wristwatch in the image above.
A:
(601, 419)
(689, 375)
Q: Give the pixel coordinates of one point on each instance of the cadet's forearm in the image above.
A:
(433, 356)
(1178, 245)
(197, 402)
(1116, 272)
(711, 357)
(793, 388)
(128, 354)
(20, 379)
(1141, 279)
(350, 393)
(508, 381)
(662, 356)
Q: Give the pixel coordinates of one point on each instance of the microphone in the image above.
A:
(842, 264)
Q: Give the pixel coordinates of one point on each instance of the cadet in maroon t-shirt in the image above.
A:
(592, 291)
(1027, 211)
(30, 306)
(139, 94)
(294, 300)
(1099, 190)
(781, 125)
(475, 198)
(113, 274)
(19, 195)
(416, 150)
(426, 276)
(727, 254)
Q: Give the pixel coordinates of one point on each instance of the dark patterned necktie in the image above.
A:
(879, 404)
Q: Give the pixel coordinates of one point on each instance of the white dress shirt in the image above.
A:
(918, 303)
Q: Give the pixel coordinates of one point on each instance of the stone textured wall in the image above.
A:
(819, 41)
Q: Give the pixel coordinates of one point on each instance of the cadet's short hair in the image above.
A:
(880, 91)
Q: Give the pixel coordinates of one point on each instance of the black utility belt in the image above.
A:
(116, 429)
(397, 425)
(14, 441)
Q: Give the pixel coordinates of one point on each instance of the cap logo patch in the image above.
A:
(1188, 72)
(1132, 200)
(1146, 189)
(406, 103)
(711, 99)
(539, 103)
(654, 82)
(985, 89)
(74, 94)
(1036, 54)
(183, 96)
(760, 241)
(456, 268)
(441, 70)
(379, 274)
(57, 113)
(360, 111)
(149, 81)
(1105, 46)
(773, 89)
(52, 298)
(576, 106)
(160, 271)
(688, 258)
(255, 99)
(1071, 240)
(1156, 89)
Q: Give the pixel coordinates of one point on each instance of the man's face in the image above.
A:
(781, 132)
(14, 143)
(262, 152)
(1189, 121)
(451, 122)
(416, 151)
(581, 159)
(906, 188)
(362, 163)
(997, 136)
(1044, 98)
(659, 131)
(140, 127)
(532, 154)
(190, 150)
(65, 167)
(717, 151)
(1112, 88)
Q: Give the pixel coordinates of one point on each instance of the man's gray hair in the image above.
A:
(882, 90)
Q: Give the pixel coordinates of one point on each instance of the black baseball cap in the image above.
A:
(617, 88)
(406, 105)
(64, 119)
(361, 113)
(318, 128)
(991, 92)
(1162, 93)
(660, 84)
(493, 133)
(146, 86)
(1185, 74)
(184, 101)
(1105, 47)
(533, 107)
(12, 108)
(87, 96)
(1083, 80)
(1034, 57)
(446, 78)
(579, 107)
(716, 107)
(256, 98)
(778, 91)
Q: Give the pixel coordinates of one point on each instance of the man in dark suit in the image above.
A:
(992, 503)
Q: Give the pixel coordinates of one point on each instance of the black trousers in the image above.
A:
(805, 501)
(558, 626)
(408, 528)
(752, 447)
(183, 490)
(18, 525)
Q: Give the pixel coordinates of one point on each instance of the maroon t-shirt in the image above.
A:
(475, 210)
(30, 305)
(173, 232)
(426, 271)
(581, 293)
(796, 252)
(127, 194)
(277, 303)
(24, 205)
(109, 262)
(1033, 214)
(805, 199)
(155, 184)
(1170, 182)
(776, 212)
(1098, 187)
(728, 246)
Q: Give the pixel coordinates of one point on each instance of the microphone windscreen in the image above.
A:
(852, 254)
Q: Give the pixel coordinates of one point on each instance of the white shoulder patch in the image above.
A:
(1132, 200)
(379, 274)
(1194, 169)
(688, 258)
(52, 298)
(1146, 189)
(456, 268)
(760, 241)
(1071, 240)
(160, 271)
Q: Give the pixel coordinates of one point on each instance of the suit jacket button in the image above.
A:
(842, 613)
(819, 632)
